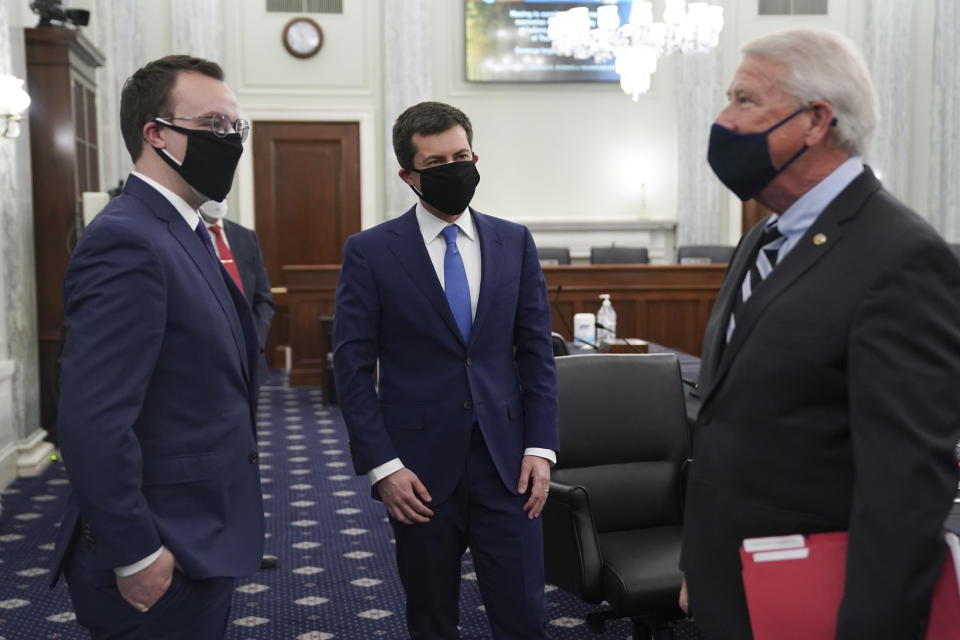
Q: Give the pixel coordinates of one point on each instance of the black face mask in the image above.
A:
(742, 160)
(449, 187)
(210, 161)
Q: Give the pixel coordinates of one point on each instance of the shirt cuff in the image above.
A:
(542, 453)
(131, 569)
(379, 473)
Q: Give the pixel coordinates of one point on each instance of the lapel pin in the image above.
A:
(819, 239)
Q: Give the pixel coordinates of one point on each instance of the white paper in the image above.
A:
(785, 554)
(773, 543)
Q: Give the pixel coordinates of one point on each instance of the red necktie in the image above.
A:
(226, 257)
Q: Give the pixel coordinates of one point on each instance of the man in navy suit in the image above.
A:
(158, 382)
(458, 432)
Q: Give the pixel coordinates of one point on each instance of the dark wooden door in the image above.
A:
(306, 197)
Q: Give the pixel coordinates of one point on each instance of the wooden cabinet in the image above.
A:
(61, 81)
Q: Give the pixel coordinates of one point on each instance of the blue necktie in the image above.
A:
(455, 283)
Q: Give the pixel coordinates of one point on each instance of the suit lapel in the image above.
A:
(408, 247)
(193, 246)
(800, 260)
(490, 268)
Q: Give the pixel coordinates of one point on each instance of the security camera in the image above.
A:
(52, 11)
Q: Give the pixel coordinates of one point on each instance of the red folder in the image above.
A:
(794, 585)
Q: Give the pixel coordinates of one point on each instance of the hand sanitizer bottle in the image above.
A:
(607, 317)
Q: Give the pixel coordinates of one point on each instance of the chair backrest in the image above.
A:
(714, 253)
(619, 255)
(548, 254)
(624, 437)
(560, 347)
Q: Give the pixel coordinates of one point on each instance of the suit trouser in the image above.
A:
(507, 551)
(188, 610)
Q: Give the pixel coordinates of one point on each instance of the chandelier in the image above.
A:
(636, 45)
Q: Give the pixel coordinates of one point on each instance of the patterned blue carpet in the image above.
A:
(336, 576)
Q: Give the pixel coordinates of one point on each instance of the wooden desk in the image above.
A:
(666, 304)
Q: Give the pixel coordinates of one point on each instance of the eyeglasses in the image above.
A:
(219, 124)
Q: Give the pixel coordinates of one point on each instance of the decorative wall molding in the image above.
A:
(34, 454)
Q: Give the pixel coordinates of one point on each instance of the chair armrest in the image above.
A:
(572, 558)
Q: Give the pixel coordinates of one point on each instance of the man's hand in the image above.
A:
(684, 599)
(145, 587)
(535, 472)
(404, 496)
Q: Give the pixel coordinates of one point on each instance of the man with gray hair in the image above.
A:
(831, 358)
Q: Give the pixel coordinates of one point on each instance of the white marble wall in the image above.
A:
(408, 79)
(701, 198)
(19, 387)
(889, 42)
(945, 123)
(120, 39)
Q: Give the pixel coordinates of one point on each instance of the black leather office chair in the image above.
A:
(612, 522)
(560, 347)
(715, 253)
(549, 254)
(619, 255)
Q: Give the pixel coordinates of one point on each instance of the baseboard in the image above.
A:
(8, 466)
(33, 454)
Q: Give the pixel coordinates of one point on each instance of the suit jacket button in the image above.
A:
(469, 361)
(253, 456)
(467, 404)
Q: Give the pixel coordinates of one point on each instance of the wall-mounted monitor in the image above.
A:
(506, 41)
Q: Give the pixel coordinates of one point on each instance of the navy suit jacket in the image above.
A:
(256, 285)
(833, 407)
(433, 386)
(157, 396)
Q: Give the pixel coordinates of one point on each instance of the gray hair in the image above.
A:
(826, 66)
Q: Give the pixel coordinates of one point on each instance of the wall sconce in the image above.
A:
(13, 102)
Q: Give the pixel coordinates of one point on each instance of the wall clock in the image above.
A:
(302, 37)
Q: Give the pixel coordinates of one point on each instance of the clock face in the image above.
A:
(302, 37)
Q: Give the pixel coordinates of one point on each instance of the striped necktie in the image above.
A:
(770, 243)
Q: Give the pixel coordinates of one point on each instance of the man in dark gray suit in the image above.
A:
(831, 359)
(244, 248)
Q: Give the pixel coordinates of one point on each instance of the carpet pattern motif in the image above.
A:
(336, 576)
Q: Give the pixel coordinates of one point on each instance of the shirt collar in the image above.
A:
(191, 217)
(803, 213)
(431, 226)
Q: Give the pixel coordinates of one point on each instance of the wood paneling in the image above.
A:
(306, 195)
(666, 304)
(310, 295)
(61, 67)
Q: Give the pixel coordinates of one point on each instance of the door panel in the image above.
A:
(306, 198)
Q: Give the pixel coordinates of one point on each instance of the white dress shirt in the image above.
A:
(468, 244)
